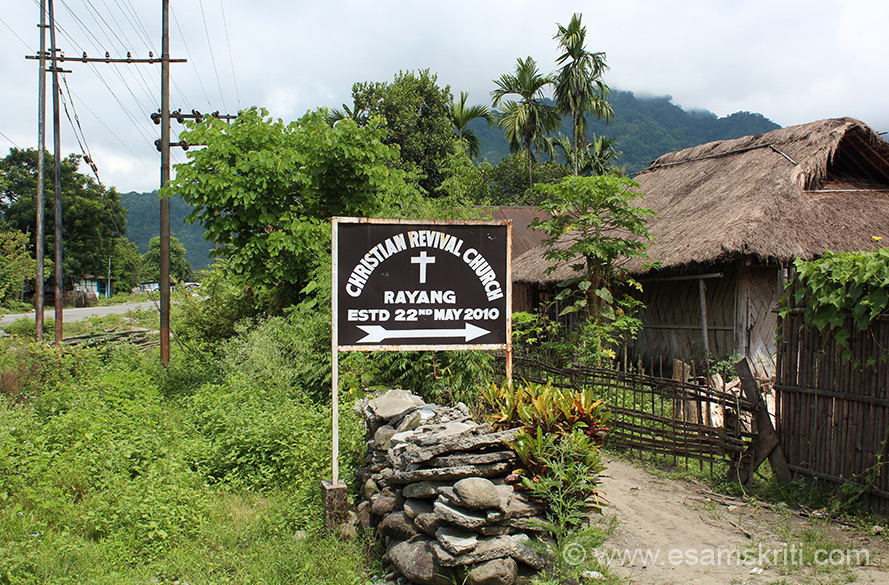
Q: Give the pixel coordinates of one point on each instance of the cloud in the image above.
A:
(793, 61)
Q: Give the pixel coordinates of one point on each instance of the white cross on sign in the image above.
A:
(423, 260)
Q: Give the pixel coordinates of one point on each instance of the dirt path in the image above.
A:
(680, 532)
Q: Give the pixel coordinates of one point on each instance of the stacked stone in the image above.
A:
(434, 486)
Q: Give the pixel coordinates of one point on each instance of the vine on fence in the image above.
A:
(841, 285)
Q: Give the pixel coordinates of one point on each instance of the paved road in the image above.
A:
(72, 314)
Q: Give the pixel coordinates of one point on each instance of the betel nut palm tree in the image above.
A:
(527, 121)
(462, 115)
(579, 87)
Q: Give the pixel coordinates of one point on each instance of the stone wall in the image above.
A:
(435, 489)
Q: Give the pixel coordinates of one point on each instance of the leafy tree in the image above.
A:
(126, 264)
(91, 214)
(417, 114)
(180, 269)
(337, 114)
(265, 190)
(462, 115)
(579, 85)
(526, 122)
(593, 158)
(143, 212)
(16, 263)
(595, 228)
(506, 183)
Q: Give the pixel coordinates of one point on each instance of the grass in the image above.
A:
(12, 307)
(24, 327)
(114, 470)
(125, 297)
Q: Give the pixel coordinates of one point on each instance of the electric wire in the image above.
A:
(116, 136)
(123, 47)
(11, 140)
(139, 127)
(128, 21)
(63, 32)
(190, 59)
(98, 44)
(131, 16)
(12, 30)
(230, 58)
(84, 149)
(212, 56)
(140, 29)
(106, 28)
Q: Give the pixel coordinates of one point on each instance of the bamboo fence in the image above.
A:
(833, 414)
(655, 416)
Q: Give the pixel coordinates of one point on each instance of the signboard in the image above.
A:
(428, 285)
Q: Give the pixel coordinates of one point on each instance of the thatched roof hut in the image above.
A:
(790, 193)
(731, 207)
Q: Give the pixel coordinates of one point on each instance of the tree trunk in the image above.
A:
(576, 145)
(530, 176)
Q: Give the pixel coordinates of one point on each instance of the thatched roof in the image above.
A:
(790, 193)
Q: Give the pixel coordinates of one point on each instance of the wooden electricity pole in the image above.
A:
(165, 178)
(164, 147)
(57, 152)
(39, 240)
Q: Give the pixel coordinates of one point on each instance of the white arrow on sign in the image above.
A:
(377, 333)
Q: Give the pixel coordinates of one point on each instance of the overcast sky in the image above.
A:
(794, 61)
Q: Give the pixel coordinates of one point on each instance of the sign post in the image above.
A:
(423, 285)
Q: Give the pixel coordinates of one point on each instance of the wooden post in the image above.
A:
(702, 295)
(767, 443)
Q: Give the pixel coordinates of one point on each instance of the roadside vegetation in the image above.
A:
(114, 469)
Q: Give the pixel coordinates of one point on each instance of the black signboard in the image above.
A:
(417, 284)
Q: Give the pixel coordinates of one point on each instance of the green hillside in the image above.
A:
(143, 223)
(645, 128)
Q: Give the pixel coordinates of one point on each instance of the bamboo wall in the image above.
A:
(741, 318)
(833, 416)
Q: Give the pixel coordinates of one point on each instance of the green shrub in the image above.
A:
(441, 376)
(216, 314)
(25, 326)
(263, 438)
(289, 353)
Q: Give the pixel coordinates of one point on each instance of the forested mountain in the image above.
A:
(644, 129)
(143, 223)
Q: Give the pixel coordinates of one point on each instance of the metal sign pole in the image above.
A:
(334, 493)
(334, 361)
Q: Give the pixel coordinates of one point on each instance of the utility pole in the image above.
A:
(41, 180)
(165, 178)
(165, 61)
(57, 150)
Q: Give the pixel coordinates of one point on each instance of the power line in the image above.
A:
(98, 45)
(97, 17)
(113, 133)
(190, 59)
(15, 33)
(141, 28)
(11, 140)
(98, 74)
(230, 58)
(212, 56)
(87, 158)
